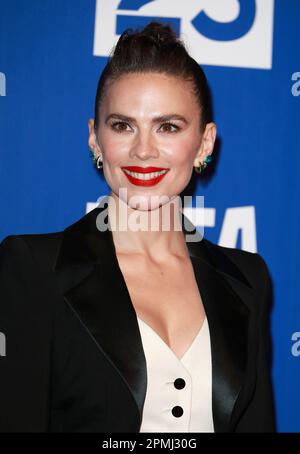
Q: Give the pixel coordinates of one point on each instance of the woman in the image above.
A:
(124, 330)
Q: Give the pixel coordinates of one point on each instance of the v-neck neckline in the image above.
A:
(167, 346)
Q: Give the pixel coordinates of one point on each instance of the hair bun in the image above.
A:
(160, 33)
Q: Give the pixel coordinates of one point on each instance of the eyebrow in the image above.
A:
(158, 119)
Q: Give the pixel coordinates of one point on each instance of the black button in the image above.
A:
(177, 411)
(179, 383)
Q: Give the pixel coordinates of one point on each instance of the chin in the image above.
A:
(149, 203)
(143, 203)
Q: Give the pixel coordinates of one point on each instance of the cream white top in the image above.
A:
(179, 391)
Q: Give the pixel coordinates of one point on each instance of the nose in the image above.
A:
(144, 146)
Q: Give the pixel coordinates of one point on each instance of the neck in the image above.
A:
(154, 233)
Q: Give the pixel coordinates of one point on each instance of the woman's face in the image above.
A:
(149, 123)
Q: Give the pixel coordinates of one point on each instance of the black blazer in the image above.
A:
(74, 360)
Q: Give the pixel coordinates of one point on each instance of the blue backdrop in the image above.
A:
(51, 55)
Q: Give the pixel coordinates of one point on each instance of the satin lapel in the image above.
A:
(227, 298)
(101, 301)
(227, 318)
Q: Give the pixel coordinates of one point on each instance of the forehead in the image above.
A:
(150, 91)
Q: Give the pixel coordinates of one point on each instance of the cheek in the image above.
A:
(114, 150)
(183, 153)
(114, 146)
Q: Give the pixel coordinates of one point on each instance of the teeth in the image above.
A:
(145, 176)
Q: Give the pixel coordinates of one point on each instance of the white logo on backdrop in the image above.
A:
(237, 33)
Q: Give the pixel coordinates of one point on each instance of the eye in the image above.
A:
(169, 126)
(122, 125)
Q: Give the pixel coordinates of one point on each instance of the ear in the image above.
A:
(93, 142)
(207, 143)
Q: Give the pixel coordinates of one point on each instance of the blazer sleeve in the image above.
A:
(260, 415)
(25, 328)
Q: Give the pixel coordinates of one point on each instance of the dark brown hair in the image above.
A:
(155, 48)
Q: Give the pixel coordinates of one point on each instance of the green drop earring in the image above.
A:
(92, 156)
(203, 165)
(97, 161)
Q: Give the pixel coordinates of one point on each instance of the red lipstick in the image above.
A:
(141, 176)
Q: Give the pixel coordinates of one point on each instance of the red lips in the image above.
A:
(148, 182)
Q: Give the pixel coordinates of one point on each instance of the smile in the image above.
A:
(144, 176)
